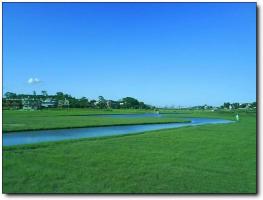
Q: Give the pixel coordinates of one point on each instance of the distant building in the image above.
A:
(63, 103)
(11, 103)
(31, 104)
(112, 104)
(49, 103)
(66, 102)
(248, 106)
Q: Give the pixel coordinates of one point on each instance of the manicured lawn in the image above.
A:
(53, 119)
(202, 159)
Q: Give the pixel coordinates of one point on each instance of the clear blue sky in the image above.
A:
(161, 53)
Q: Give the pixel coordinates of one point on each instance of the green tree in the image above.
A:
(226, 105)
(59, 96)
(44, 93)
(235, 105)
(102, 102)
(10, 95)
(130, 102)
(254, 104)
(83, 102)
(92, 103)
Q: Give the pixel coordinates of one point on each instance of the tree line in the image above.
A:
(13, 100)
(228, 105)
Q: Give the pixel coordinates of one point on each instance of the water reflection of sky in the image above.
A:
(30, 137)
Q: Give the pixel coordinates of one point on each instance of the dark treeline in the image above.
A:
(228, 105)
(60, 99)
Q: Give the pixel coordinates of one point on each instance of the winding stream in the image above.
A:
(30, 137)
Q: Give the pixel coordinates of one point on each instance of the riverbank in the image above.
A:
(31, 137)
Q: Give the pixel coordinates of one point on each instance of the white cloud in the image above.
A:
(32, 81)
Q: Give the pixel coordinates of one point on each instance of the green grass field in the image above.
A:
(203, 159)
(72, 118)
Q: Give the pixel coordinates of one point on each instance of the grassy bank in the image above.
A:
(72, 118)
(202, 159)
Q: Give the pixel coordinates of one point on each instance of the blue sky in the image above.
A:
(161, 53)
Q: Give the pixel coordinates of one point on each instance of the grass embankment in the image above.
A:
(203, 159)
(72, 118)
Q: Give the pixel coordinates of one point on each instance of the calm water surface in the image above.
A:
(30, 137)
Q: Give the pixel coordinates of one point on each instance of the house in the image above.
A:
(31, 104)
(11, 103)
(49, 103)
(112, 104)
(248, 106)
(63, 103)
